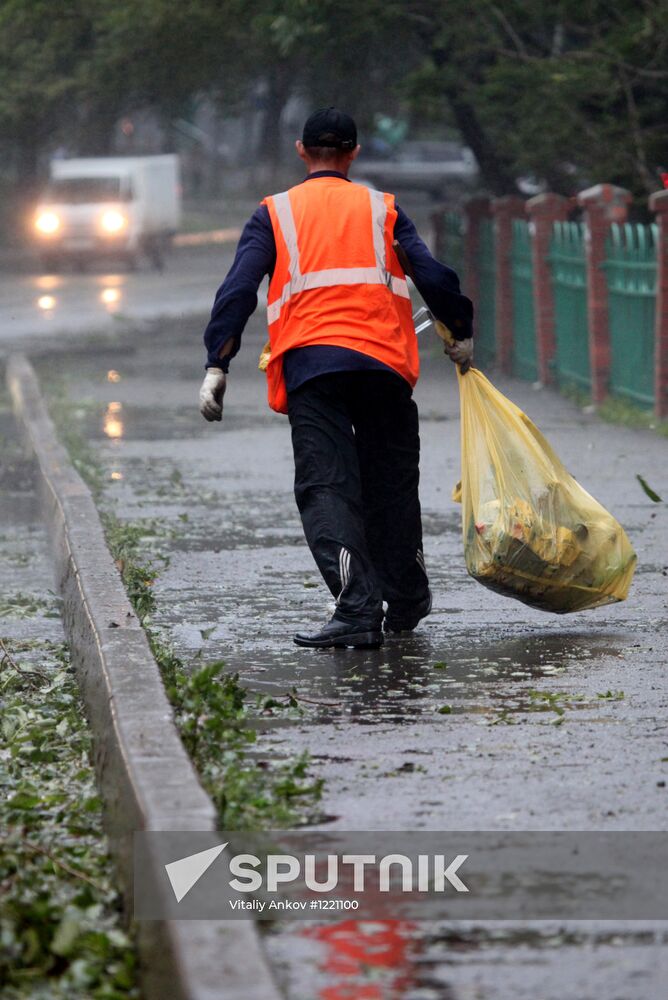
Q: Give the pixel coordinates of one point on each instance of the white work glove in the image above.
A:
(461, 351)
(211, 394)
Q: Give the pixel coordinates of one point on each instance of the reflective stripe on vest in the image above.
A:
(378, 275)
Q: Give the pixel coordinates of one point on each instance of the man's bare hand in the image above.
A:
(211, 394)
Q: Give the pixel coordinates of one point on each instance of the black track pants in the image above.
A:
(356, 444)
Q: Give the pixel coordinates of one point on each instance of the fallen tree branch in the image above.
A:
(21, 671)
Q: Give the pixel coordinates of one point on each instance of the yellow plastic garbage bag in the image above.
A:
(530, 530)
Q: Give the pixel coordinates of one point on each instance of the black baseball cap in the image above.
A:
(330, 127)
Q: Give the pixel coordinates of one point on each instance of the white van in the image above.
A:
(117, 207)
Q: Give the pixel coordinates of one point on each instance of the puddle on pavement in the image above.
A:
(29, 609)
(415, 677)
(143, 423)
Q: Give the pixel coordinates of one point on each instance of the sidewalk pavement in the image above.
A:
(539, 735)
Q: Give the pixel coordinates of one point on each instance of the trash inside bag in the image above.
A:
(530, 531)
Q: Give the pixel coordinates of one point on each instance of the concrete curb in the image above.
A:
(145, 775)
(207, 238)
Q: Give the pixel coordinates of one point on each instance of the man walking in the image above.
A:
(343, 364)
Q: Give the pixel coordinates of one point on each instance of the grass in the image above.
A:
(616, 410)
(621, 411)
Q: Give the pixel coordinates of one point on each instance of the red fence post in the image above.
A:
(658, 203)
(504, 211)
(602, 204)
(543, 211)
(475, 210)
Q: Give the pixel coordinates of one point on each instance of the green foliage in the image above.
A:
(567, 92)
(556, 702)
(123, 539)
(60, 922)
(615, 410)
(648, 491)
(24, 606)
(570, 93)
(39, 58)
(216, 727)
(158, 52)
(551, 701)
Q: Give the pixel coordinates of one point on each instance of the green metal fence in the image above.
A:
(525, 358)
(631, 273)
(569, 283)
(485, 326)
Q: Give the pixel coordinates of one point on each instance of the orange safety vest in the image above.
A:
(337, 280)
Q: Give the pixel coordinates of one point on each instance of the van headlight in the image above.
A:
(113, 221)
(47, 223)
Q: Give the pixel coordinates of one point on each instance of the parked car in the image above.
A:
(423, 165)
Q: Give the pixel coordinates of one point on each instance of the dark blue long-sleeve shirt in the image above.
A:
(236, 299)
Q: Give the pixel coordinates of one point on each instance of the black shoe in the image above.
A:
(406, 620)
(340, 634)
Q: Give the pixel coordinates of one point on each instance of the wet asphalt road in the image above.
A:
(28, 606)
(39, 309)
(240, 581)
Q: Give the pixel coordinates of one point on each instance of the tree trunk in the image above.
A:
(495, 172)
